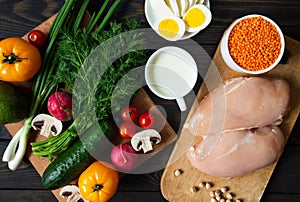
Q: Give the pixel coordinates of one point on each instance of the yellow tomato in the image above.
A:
(19, 60)
(99, 182)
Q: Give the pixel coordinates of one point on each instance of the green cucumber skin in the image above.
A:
(69, 165)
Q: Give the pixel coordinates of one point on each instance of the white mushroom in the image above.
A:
(72, 193)
(48, 125)
(145, 139)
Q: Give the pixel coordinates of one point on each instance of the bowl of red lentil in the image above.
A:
(253, 44)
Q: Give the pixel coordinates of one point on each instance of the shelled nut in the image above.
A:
(194, 189)
(178, 172)
(202, 184)
(217, 193)
(229, 195)
(208, 185)
(224, 189)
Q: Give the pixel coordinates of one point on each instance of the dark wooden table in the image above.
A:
(24, 185)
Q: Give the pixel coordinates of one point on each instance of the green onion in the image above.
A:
(43, 85)
(58, 144)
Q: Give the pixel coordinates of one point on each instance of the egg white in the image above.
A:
(183, 6)
(160, 6)
(173, 6)
(192, 2)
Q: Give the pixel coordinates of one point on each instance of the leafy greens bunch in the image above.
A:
(73, 51)
(68, 45)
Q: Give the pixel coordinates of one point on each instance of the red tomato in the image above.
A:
(127, 130)
(146, 120)
(37, 38)
(129, 113)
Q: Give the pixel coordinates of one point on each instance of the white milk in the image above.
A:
(170, 74)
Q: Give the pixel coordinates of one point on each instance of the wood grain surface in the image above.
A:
(142, 102)
(20, 16)
(255, 181)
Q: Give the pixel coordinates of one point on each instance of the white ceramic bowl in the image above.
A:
(229, 60)
(150, 16)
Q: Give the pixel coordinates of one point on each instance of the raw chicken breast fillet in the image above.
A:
(236, 153)
(238, 123)
(241, 103)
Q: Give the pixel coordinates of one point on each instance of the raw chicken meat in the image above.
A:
(236, 153)
(241, 103)
(238, 124)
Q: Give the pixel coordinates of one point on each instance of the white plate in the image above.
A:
(151, 18)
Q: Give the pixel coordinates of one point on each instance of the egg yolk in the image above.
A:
(168, 28)
(194, 18)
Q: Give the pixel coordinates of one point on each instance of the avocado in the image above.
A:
(14, 105)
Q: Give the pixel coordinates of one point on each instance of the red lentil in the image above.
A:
(254, 43)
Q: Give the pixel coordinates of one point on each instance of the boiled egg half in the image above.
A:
(177, 19)
(197, 18)
(170, 27)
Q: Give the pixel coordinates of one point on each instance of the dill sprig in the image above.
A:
(72, 51)
(74, 60)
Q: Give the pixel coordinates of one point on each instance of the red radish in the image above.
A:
(124, 157)
(60, 106)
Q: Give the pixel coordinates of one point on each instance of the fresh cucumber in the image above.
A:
(69, 165)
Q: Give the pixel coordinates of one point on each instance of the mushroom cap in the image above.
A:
(47, 124)
(72, 193)
(144, 140)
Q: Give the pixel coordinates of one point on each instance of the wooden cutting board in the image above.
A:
(251, 186)
(142, 101)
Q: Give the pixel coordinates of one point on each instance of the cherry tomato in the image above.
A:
(146, 120)
(129, 113)
(127, 130)
(37, 38)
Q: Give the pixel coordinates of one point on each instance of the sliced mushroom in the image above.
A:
(143, 140)
(48, 125)
(72, 193)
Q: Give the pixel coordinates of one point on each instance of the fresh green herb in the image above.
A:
(71, 52)
(40, 91)
(68, 18)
